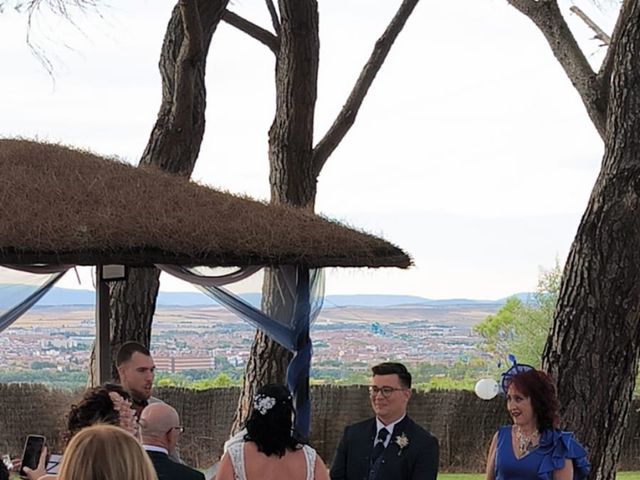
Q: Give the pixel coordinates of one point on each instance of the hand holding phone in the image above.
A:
(33, 448)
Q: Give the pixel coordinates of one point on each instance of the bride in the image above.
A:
(270, 450)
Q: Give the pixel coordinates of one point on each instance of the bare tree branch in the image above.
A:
(548, 18)
(600, 34)
(188, 58)
(347, 115)
(61, 8)
(275, 21)
(253, 30)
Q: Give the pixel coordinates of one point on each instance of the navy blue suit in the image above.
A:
(417, 461)
(167, 469)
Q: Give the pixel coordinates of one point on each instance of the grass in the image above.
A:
(475, 476)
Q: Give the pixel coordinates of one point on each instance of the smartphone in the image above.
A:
(31, 455)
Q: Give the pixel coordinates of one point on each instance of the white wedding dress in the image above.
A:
(236, 454)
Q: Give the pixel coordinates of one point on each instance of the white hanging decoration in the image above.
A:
(486, 388)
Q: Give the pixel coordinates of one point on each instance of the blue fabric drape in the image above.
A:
(300, 365)
(276, 330)
(20, 308)
(302, 295)
(303, 288)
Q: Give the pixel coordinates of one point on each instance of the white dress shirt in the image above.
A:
(380, 426)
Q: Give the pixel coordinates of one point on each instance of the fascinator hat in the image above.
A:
(515, 369)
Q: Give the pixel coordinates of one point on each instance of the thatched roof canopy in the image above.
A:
(66, 206)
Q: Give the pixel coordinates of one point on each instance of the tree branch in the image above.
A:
(275, 21)
(186, 63)
(347, 115)
(263, 36)
(600, 34)
(548, 18)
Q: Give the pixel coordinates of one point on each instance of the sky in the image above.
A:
(472, 151)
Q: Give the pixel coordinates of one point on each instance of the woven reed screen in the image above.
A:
(463, 423)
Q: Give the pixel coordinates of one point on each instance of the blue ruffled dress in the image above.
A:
(554, 447)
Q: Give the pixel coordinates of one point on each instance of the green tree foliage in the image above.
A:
(186, 380)
(39, 365)
(521, 327)
(222, 380)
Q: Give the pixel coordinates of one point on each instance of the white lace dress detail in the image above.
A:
(236, 454)
(310, 457)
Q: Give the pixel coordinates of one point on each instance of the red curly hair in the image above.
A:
(541, 389)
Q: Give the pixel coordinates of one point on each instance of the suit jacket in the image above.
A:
(418, 460)
(167, 469)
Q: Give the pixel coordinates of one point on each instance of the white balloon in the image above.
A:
(486, 388)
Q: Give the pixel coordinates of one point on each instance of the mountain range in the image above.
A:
(10, 293)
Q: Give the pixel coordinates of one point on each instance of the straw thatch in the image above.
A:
(65, 206)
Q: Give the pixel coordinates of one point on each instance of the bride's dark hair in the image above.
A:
(270, 423)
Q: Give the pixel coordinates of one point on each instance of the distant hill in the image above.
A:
(66, 296)
(398, 301)
(522, 296)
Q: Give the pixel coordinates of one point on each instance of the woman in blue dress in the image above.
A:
(533, 448)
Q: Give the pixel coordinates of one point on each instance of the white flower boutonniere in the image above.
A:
(402, 441)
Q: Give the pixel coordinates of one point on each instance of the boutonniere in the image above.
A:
(402, 441)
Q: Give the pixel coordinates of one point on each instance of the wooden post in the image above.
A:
(103, 340)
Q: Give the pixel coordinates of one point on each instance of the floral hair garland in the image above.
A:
(125, 412)
(263, 403)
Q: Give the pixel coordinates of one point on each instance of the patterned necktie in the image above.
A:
(379, 446)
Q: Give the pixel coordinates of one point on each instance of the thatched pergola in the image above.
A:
(63, 206)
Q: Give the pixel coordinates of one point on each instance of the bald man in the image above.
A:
(160, 429)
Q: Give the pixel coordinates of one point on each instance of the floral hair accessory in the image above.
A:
(516, 369)
(125, 412)
(402, 441)
(263, 403)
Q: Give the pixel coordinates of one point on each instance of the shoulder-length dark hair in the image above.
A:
(540, 388)
(270, 424)
(95, 407)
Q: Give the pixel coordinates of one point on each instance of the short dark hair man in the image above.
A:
(136, 371)
(389, 446)
(160, 430)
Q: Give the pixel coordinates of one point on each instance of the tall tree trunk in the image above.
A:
(174, 145)
(292, 177)
(295, 163)
(594, 343)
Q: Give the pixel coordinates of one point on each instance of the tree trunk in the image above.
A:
(295, 163)
(174, 145)
(595, 339)
(292, 177)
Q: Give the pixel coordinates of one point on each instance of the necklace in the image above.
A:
(526, 443)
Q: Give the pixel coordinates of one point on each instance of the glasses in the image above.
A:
(385, 391)
(179, 428)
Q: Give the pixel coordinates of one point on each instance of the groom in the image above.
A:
(389, 446)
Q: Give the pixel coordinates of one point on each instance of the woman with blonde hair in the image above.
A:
(105, 452)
